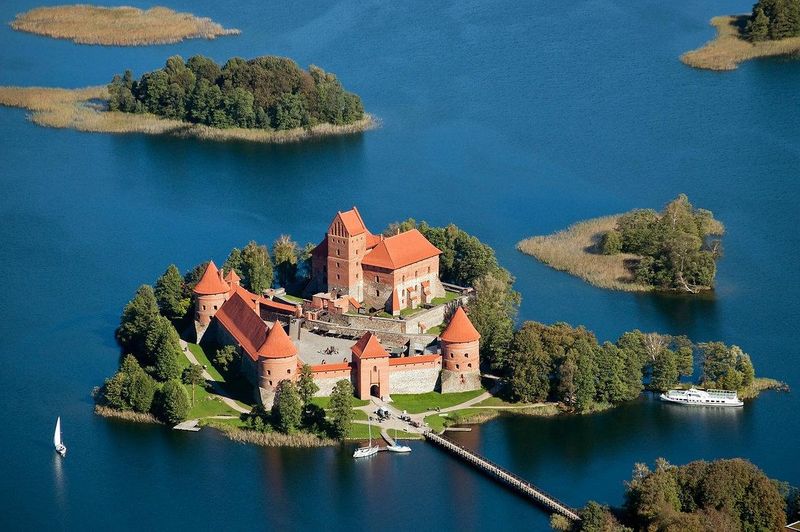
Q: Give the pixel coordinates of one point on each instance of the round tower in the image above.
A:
(210, 293)
(460, 346)
(277, 361)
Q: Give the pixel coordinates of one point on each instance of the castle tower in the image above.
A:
(370, 367)
(460, 344)
(347, 244)
(232, 278)
(210, 293)
(277, 361)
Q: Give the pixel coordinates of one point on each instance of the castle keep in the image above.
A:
(356, 269)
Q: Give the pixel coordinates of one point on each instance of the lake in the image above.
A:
(507, 119)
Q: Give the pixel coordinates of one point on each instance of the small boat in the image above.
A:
(398, 448)
(695, 397)
(57, 443)
(370, 450)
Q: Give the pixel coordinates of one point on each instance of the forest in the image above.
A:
(267, 92)
(773, 20)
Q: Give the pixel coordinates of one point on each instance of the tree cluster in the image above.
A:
(705, 496)
(725, 367)
(253, 264)
(773, 20)
(676, 245)
(266, 92)
(293, 409)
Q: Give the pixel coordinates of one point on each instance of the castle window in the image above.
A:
(456, 366)
(215, 307)
(466, 355)
(337, 276)
(374, 368)
(377, 279)
(337, 252)
(204, 307)
(429, 269)
(377, 293)
(469, 365)
(356, 276)
(270, 383)
(269, 372)
(288, 371)
(404, 278)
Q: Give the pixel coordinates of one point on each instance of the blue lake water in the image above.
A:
(508, 119)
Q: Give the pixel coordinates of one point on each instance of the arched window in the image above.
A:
(466, 355)
(469, 365)
(377, 292)
(374, 368)
(269, 372)
(288, 371)
(452, 355)
(456, 366)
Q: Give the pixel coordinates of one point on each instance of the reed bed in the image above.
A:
(126, 415)
(86, 110)
(761, 384)
(575, 250)
(729, 47)
(117, 26)
(274, 439)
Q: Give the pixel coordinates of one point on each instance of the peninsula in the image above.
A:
(773, 29)
(278, 103)
(299, 346)
(117, 26)
(675, 250)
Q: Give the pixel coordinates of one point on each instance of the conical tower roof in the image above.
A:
(232, 277)
(278, 344)
(460, 330)
(211, 282)
(368, 346)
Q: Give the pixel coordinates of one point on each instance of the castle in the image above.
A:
(356, 267)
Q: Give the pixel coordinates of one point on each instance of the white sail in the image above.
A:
(57, 434)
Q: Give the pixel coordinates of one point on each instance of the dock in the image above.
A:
(503, 476)
(189, 425)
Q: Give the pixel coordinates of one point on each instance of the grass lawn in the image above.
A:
(360, 415)
(360, 431)
(421, 402)
(448, 297)
(201, 357)
(293, 299)
(435, 330)
(206, 404)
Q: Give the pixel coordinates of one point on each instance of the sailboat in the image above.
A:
(398, 448)
(57, 443)
(363, 452)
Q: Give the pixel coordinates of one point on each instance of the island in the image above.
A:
(304, 346)
(674, 250)
(117, 26)
(267, 99)
(771, 30)
(725, 494)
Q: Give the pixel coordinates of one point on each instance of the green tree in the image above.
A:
(142, 389)
(256, 268)
(306, 387)
(566, 387)
(665, 371)
(169, 294)
(725, 367)
(285, 254)
(239, 108)
(114, 391)
(163, 349)
(172, 402)
(611, 243)
(493, 312)
(291, 112)
(227, 358)
(137, 318)
(531, 367)
(612, 386)
(193, 277)
(287, 408)
(585, 372)
(758, 25)
(192, 376)
(341, 408)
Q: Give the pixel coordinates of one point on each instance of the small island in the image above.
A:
(267, 99)
(773, 29)
(675, 250)
(117, 26)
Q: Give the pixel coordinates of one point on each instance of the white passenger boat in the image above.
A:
(695, 397)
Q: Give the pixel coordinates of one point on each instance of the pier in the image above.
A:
(505, 477)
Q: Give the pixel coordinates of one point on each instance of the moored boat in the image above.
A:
(369, 450)
(696, 397)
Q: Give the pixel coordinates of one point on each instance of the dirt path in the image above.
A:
(215, 385)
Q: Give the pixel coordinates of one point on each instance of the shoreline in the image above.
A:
(84, 110)
(117, 26)
(728, 48)
(572, 250)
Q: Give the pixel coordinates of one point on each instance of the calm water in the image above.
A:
(508, 120)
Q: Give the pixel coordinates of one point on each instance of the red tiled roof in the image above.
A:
(368, 346)
(419, 359)
(241, 321)
(373, 240)
(460, 329)
(352, 221)
(341, 366)
(401, 250)
(247, 295)
(278, 344)
(276, 306)
(356, 305)
(211, 282)
(232, 277)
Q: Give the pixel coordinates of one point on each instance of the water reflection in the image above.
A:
(695, 315)
(59, 483)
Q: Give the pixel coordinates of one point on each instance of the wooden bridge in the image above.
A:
(504, 476)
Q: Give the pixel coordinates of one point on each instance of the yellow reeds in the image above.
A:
(117, 26)
(86, 110)
(729, 48)
(575, 250)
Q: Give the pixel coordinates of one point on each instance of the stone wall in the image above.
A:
(326, 379)
(413, 377)
(393, 339)
(453, 381)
